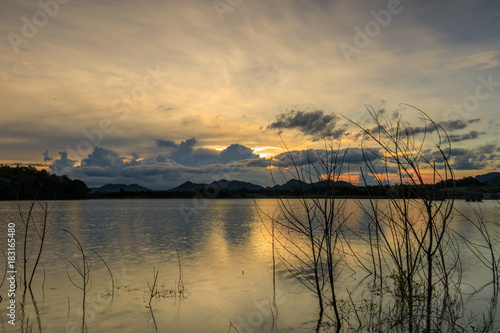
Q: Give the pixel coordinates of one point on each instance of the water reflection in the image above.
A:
(225, 255)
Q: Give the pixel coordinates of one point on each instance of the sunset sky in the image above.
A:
(160, 92)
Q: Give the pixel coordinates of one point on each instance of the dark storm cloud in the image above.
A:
(316, 123)
(46, 156)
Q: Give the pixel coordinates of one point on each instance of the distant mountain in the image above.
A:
(112, 188)
(492, 177)
(298, 184)
(188, 187)
(234, 185)
(229, 185)
(292, 184)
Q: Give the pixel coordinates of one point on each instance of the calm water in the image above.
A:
(225, 256)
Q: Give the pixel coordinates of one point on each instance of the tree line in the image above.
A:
(28, 183)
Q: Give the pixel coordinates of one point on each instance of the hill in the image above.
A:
(113, 188)
(228, 185)
(492, 178)
(188, 187)
(294, 184)
(234, 185)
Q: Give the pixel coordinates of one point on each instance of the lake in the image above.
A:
(225, 257)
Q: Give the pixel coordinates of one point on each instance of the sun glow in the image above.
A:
(267, 152)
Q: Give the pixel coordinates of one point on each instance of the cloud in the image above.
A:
(62, 164)
(205, 156)
(46, 156)
(102, 157)
(462, 137)
(166, 143)
(457, 124)
(235, 162)
(356, 156)
(167, 170)
(253, 163)
(161, 159)
(448, 126)
(476, 158)
(237, 152)
(488, 149)
(349, 156)
(296, 157)
(468, 162)
(316, 123)
(107, 166)
(183, 153)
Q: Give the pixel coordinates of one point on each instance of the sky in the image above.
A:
(161, 92)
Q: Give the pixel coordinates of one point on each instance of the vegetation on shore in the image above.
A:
(28, 183)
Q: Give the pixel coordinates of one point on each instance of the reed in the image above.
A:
(414, 252)
(153, 292)
(83, 271)
(34, 234)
